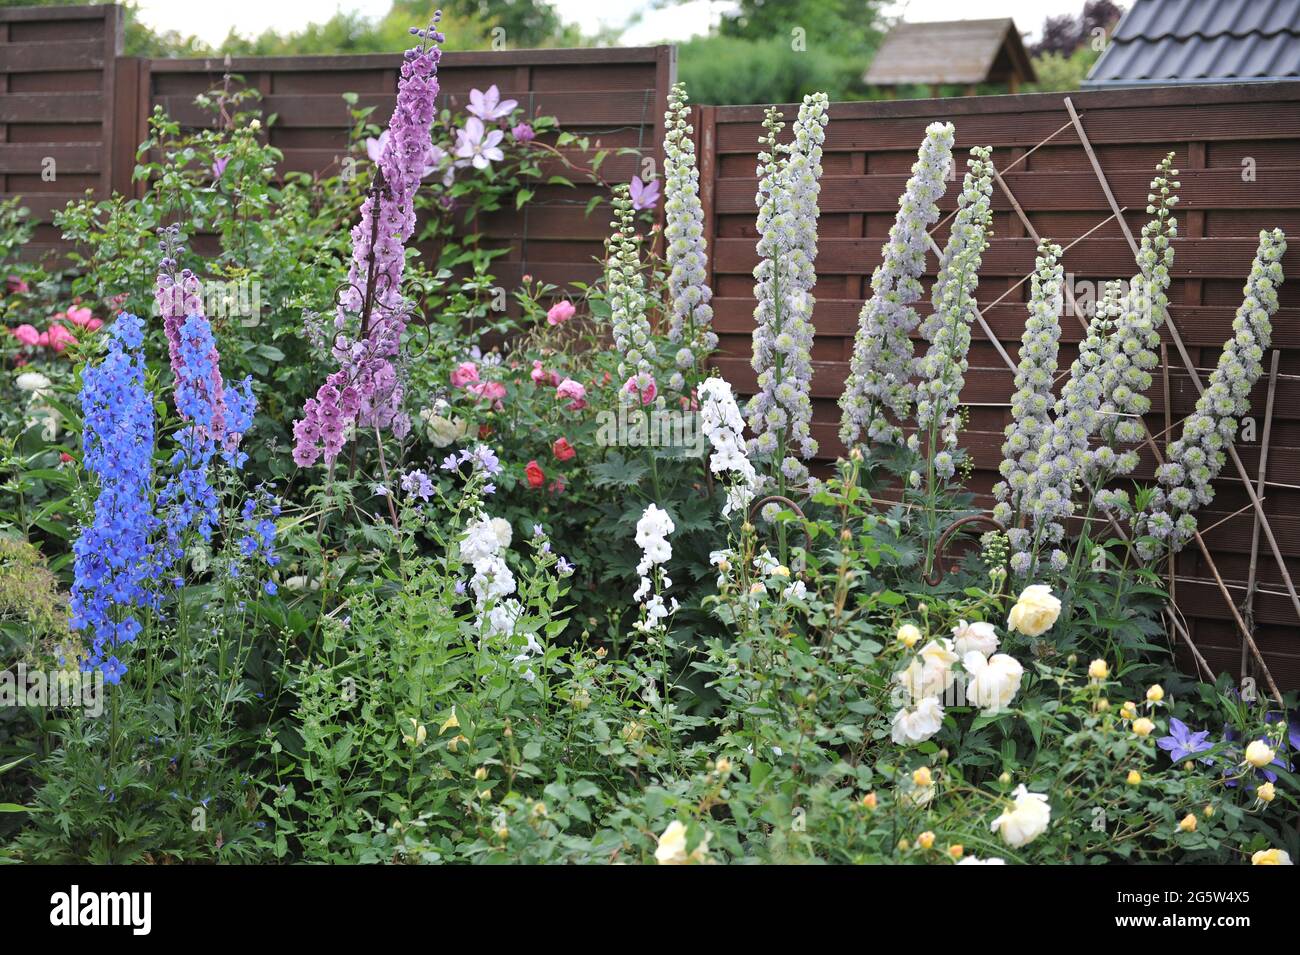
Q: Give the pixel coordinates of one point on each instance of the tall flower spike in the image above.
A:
(178, 296)
(691, 314)
(367, 389)
(1028, 436)
(789, 183)
(625, 288)
(114, 558)
(880, 372)
(1198, 456)
(942, 369)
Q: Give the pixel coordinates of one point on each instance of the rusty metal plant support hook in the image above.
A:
(773, 498)
(935, 577)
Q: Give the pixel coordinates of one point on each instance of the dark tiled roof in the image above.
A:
(1202, 41)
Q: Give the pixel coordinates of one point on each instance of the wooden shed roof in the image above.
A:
(951, 51)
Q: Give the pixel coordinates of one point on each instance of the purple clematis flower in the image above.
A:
(476, 146)
(644, 195)
(490, 106)
(1182, 743)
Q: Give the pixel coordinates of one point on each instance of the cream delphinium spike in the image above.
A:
(690, 311)
(1199, 454)
(880, 372)
(780, 414)
(942, 370)
(1029, 434)
(625, 288)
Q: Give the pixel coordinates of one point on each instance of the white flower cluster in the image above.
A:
(881, 369)
(483, 545)
(625, 288)
(780, 414)
(1196, 458)
(722, 424)
(690, 311)
(992, 679)
(1028, 436)
(942, 369)
(652, 532)
(1103, 397)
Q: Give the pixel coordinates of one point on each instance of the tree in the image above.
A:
(846, 28)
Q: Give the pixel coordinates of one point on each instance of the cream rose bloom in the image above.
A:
(1026, 820)
(1259, 754)
(918, 724)
(672, 846)
(34, 382)
(992, 860)
(930, 673)
(1035, 611)
(992, 683)
(1271, 857)
(974, 638)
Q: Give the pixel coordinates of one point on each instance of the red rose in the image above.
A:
(536, 476)
(562, 450)
(65, 457)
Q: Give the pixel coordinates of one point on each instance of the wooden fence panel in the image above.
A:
(1238, 154)
(57, 108)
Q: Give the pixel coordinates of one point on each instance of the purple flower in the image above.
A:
(645, 195)
(434, 155)
(523, 133)
(219, 167)
(417, 484)
(1182, 743)
(489, 106)
(476, 146)
(563, 567)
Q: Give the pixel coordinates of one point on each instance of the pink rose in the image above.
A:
(560, 313)
(647, 394)
(463, 374)
(80, 316)
(541, 376)
(573, 392)
(60, 338)
(27, 334)
(487, 390)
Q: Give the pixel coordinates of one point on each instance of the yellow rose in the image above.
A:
(908, 635)
(1188, 823)
(957, 850)
(1259, 754)
(1271, 857)
(1143, 726)
(1035, 611)
(1134, 778)
(1266, 792)
(925, 840)
(1129, 710)
(1098, 670)
(869, 801)
(1155, 693)
(922, 777)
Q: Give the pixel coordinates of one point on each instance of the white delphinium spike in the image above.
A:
(1029, 434)
(942, 369)
(690, 311)
(1197, 457)
(652, 532)
(722, 424)
(1103, 396)
(1045, 497)
(625, 289)
(780, 414)
(880, 372)
(1134, 349)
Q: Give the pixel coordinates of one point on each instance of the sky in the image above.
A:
(212, 21)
